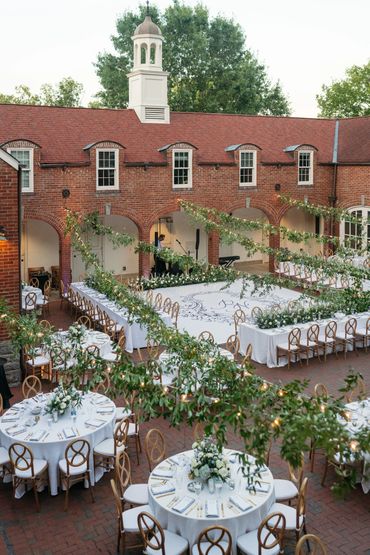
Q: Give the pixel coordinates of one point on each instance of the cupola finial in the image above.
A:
(147, 7)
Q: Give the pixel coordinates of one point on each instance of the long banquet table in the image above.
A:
(265, 341)
(136, 335)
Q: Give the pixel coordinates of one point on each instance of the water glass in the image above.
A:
(197, 487)
(218, 486)
(50, 422)
(231, 484)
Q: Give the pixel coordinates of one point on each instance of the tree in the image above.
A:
(210, 69)
(349, 97)
(67, 92)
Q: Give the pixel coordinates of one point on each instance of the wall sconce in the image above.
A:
(247, 202)
(217, 166)
(66, 193)
(362, 200)
(277, 186)
(3, 236)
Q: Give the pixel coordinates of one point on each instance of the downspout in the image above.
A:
(19, 235)
(333, 196)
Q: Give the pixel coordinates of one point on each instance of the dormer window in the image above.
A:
(25, 158)
(247, 168)
(107, 169)
(182, 168)
(305, 167)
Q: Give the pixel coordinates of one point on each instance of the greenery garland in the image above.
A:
(326, 212)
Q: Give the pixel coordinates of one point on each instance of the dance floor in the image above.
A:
(211, 306)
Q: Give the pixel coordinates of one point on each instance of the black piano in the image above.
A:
(227, 261)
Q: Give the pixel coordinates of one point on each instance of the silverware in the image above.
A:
(164, 494)
(222, 509)
(171, 503)
(191, 509)
(45, 436)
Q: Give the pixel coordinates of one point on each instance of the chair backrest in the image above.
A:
(103, 386)
(158, 301)
(93, 350)
(121, 340)
(275, 308)
(294, 337)
(239, 318)
(31, 386)
(30, 301)
(301, 503)
(350, 327)
(366, 262)
(344, 282)
(47, 288)
(155, 447)
(122, 469)
(316, 545)
(270, 532)
(313, 333)
(215, 540)
(292, 305)
(1, 404)
(117, 502)
(120, 434)
(77, 453)
(199, 430)
(233, 344)
(358, 393)
(149, 296)
(45, 324)
(84, 321)
(151, 532)
(175, 312)
(152, 349)
(321, 390)
(331, 330)
(206, 336)
(21, 457)
(256, 312)
(248, 354)
(34, 282)
(167, 305)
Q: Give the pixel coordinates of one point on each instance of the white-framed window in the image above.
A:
(25, 159)
(107, 169)
(356, 234)
(305, 167)
(247, 168)
(182, 168)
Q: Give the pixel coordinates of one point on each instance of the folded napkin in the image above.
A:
(95, 422)
(105, 411)
(10, 418)
(37, 435)
(240, 503)
(16, 431)
(100, 401)
(181, 506)
(174, 460)
(212, 508)
(262, 488)
(162, 473)
(68, 433)
(166, 488)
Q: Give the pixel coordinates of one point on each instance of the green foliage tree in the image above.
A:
(67, 92)
(210, 69)
(349, 97)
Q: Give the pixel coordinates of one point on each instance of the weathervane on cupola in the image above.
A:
(147, 80)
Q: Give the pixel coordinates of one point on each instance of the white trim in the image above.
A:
(9, 159)
(115, 187)
(31, 180)
(252, 183)
(189, 185)
(310, 177)
(365, 211)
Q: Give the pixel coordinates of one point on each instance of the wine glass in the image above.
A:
(197, 487)
(218, 486)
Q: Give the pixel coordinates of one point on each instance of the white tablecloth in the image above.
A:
(52, 447)
(190, 525)
(136, 335)
(265, 341)
(29, 289)
(92, 337)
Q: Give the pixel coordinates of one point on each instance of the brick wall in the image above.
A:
(9, 254)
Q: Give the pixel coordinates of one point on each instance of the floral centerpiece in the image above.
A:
(76, 334)
(208, 461)
(62, 398)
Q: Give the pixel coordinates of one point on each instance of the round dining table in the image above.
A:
(27, 422)
(182, 511)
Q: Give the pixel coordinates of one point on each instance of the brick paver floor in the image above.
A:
(343, 524)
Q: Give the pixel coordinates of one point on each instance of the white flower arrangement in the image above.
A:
(62, 398)
(208, 461)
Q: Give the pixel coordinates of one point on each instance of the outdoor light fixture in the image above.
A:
(277, 186)
(66, 193)
(3, 236)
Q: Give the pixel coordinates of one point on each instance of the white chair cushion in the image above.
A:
(122, 412)
(39, 361)
(327, 340)
(285, 490)
(132, 430)
(129, 518)
(73, 470)
(110, 357)
(342, 335)
(248, 544)
(213, 551)
(286, 347)
(39, 466)
(137, 494)
(106, 448)
(174, 545)
(4, 456)
(289, 513)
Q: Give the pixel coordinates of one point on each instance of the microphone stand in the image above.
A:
(187, 254)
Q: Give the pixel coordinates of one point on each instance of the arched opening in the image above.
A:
(122, 261)
(39, 248)
(152, 53)
(143, 54)
(136, 53)
(300, 220)
(180, 235)
(256, 262)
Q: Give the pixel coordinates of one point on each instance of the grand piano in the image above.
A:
(227, 261)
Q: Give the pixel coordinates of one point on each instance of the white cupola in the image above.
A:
(147, 80)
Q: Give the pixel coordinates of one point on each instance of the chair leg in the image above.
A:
(90, 487)
(36, 496)
(66, 499)
(325, 472)
(137, 448)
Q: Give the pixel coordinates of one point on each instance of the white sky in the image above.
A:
(304, 44)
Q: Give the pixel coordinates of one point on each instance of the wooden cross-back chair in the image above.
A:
(329, 339)
(359, 393)
(348, 337)
(24, 471)
(291, 349)
(214, 539)
(311, 345)
(156, 540)
(75, 467)
(134, 494)
(105, 453)
(30, 302)
(158, 302)
(316, 546)
(149, 296)
(37, 364)
(247, 360)
(256, 312)
(155, 447)
(167, 305)
(84, 320)
(206, 336)
(363, 334)
(34, 282)
(239, 318)
(233, 344)
(31, 386)
(175, 313)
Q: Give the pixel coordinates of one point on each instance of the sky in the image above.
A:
(303, 44)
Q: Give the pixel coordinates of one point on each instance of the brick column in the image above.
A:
(213, 248)
(274, 243)
(65, 259)
(144, 258)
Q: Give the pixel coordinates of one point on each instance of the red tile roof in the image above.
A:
(64, 132)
